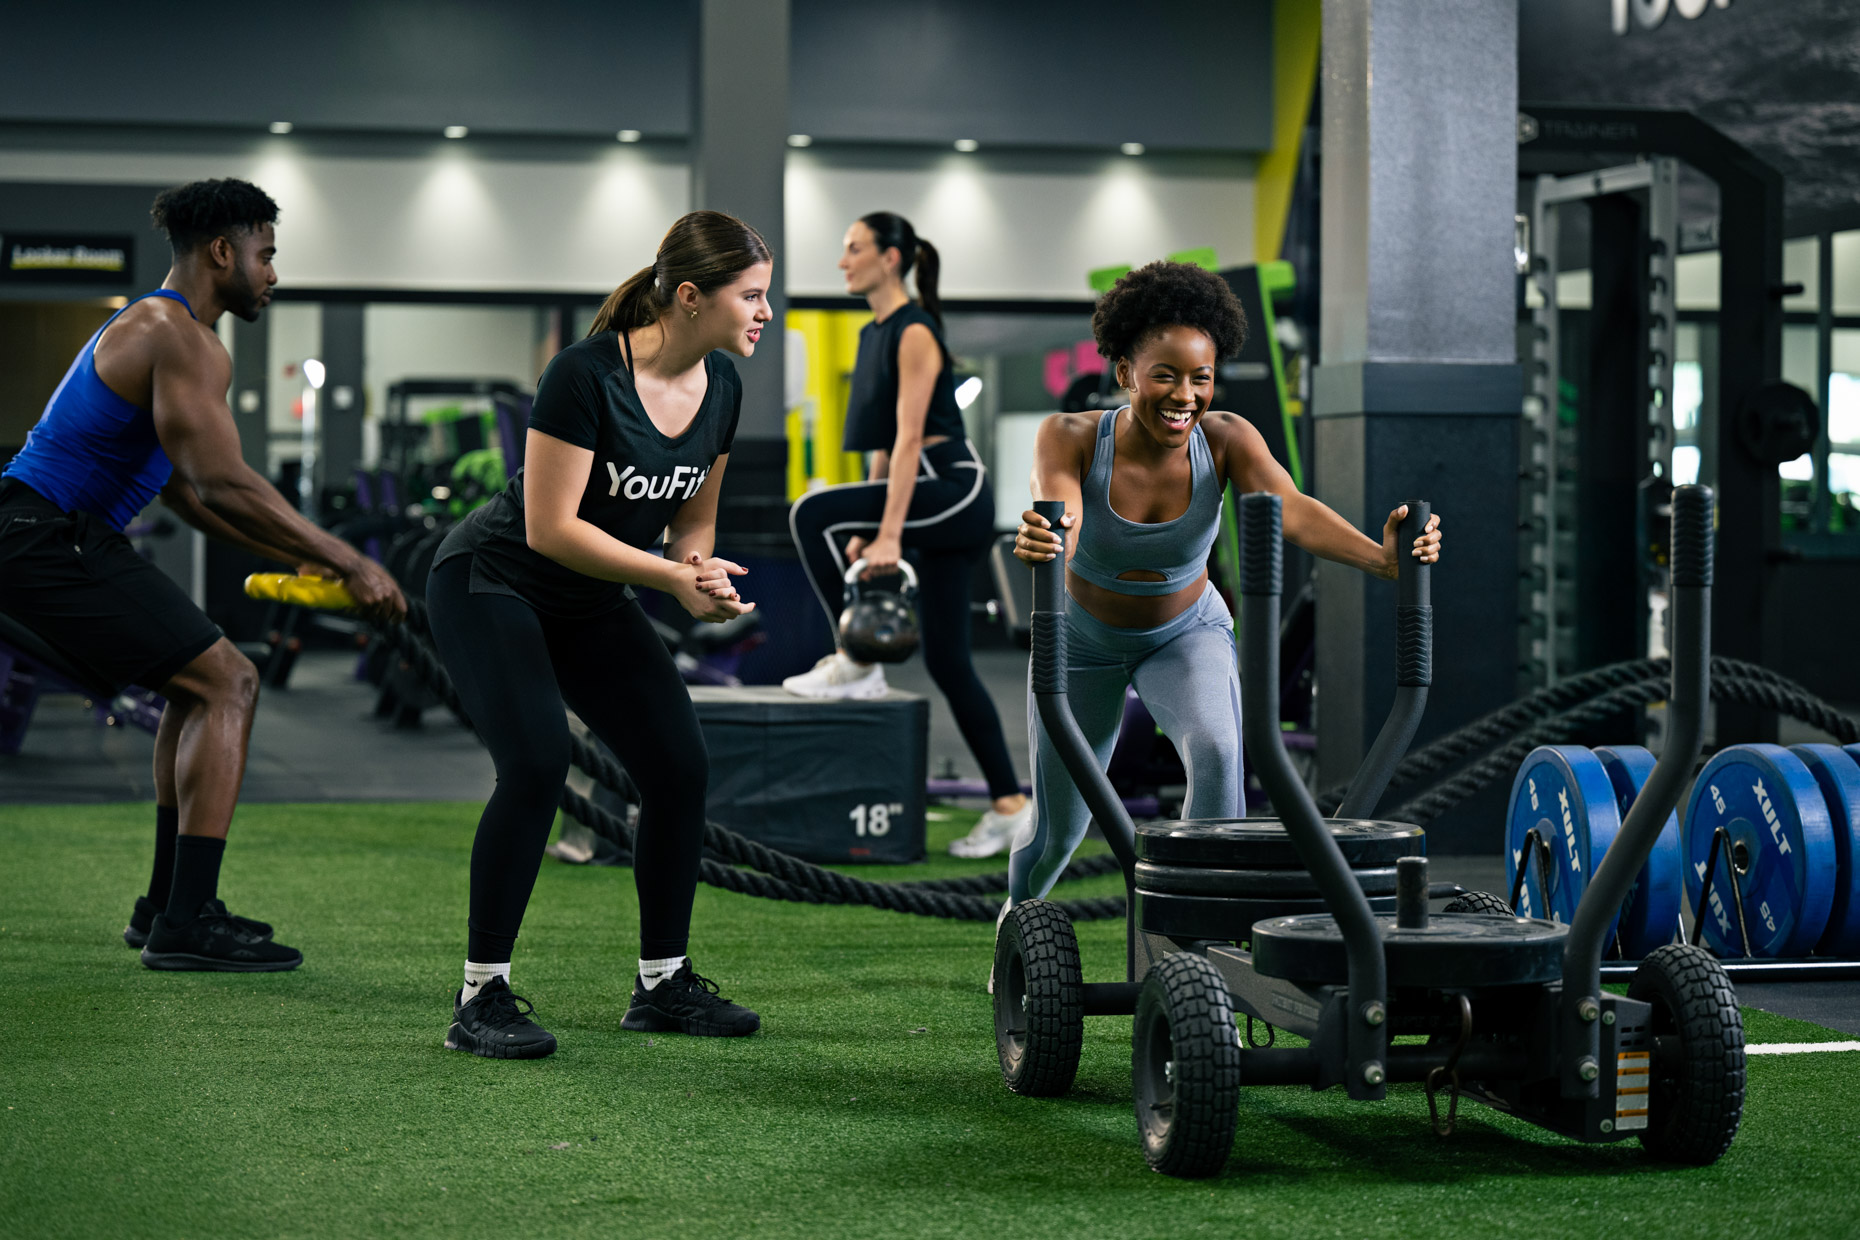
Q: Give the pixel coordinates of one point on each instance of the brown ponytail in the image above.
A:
(891, 231)
(705, 248)
(928, 264)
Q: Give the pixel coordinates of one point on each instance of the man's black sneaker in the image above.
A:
(217, 942)
(493, 1024)
(136, 933)
(687, 1003)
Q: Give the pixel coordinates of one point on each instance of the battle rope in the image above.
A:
(1733, 680)
(772, 875)
(1742, 681)
(1547, 717)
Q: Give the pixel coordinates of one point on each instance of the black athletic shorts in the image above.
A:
(86, 591)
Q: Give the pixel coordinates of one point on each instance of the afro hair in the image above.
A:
(194, 214)
(1164, 294)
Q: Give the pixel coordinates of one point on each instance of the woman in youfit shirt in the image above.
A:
(532, 607)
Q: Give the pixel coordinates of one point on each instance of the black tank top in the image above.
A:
(872, 409)
(638, 479)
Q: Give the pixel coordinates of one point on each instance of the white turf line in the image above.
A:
(1799, 1048)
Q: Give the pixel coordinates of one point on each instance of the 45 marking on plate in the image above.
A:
(875, 819)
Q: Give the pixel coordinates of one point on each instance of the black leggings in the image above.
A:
(514, 667)
(950, 524)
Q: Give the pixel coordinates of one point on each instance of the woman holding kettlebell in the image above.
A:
(1142, 486)
(927, 490)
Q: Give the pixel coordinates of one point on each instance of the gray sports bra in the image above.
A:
(1178, 549)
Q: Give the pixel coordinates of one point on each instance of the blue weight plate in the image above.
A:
(1783, 845)
(1650, 914)
(1837, 771)
(1564, 792)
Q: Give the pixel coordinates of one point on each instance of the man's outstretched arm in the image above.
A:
(180, 498)
(197, 431)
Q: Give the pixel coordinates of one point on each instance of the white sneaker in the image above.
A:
(837, 676)
(993, 834)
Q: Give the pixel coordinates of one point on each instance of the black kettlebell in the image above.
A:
(879, 626)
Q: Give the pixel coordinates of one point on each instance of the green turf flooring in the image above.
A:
(320, 1102)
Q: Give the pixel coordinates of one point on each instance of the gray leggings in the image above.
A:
(1186, 674)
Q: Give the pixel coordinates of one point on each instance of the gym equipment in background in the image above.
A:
(30, 669)
(1601, 535)
(1567, 806)
(1767, 852)
(1512, 1008)
(1760, 858)
(489, 415)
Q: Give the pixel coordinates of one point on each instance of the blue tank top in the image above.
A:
(91, 450)
(1178, 549)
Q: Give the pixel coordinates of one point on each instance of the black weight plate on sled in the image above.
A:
(1454, 950)
(1211, 917)
(1203, 880)
(1263, 844)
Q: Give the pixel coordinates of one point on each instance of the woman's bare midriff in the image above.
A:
(1133, 611)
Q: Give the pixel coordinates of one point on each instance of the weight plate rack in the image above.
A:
(1785, 826)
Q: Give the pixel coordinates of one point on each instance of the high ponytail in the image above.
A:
(928, 264)
(705, 248)
(891, 231)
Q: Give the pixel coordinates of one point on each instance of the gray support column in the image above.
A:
(251, 360)
(739, 145)
(339, 409)
(1418, 394)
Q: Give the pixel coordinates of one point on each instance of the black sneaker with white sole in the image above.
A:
(496, 1024)
(687, 1003)
(136, 933)
(216, 942)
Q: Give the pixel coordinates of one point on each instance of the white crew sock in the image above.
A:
(652, 972)
(477, 975)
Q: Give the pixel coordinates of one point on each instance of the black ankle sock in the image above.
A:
(161, 877)
(196, 875)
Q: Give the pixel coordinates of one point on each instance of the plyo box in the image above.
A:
(831, 781)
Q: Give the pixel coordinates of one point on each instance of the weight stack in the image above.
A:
(831, 781)
(1213, 878)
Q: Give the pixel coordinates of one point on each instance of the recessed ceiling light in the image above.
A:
(800, 139)
(456, 131)
(1132, 148)
(628, 135)
(965, 145)
(280, 127)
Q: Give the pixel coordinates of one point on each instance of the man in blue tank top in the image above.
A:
(142, 412)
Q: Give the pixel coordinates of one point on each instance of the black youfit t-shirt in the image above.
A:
(640, 476)
(872, 405)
